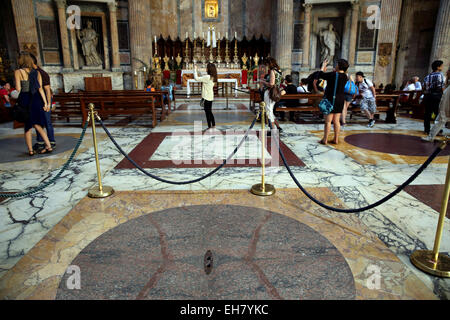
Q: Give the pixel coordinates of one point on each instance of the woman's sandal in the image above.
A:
(31, 153)
(46, 150)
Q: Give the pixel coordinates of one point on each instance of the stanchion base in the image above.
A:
(422, 259)
(96, 193)
(257, 189)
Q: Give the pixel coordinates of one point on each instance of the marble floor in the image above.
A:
(41, 235)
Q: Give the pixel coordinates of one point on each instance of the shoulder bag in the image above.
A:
(325, 106)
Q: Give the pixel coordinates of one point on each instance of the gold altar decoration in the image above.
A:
(178, 60)
(166, 63)
(244, 61)
(203, 57)
(157, 64)
(236, 58)
(219, 58)
(256, 59)
(186, 53)
(211, 9)
(227, 55)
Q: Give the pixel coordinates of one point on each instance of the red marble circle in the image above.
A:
(257, 254)
(399, 144)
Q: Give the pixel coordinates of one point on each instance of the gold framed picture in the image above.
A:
(211, 9)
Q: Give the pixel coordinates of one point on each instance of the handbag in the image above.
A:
(202, 103)
(20, 112)
(325, 106)
(351, 88)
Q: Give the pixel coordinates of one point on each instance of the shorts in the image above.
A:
(369, 105)
(348, 97)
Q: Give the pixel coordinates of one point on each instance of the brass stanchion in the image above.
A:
(433, 262)
(99, 191)
(263, 189)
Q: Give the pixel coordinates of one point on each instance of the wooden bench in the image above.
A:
(114, 105)
(412, 104)
(111, 103)
(386, 103)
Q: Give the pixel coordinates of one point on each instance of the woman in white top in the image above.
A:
(208, 82)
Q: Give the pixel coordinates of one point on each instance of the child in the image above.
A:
(5, 92)
(149, 84)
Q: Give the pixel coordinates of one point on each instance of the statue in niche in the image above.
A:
(89, 40)
(329, 39)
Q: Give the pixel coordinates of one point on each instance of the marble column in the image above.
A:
(441, 41)
(284, 35)
(306, 35)
(387, 41)
(346, 35)
(404, 36)
(25, 24)
(353, 34)
(140, 36)
(114, 35)
(61, 5)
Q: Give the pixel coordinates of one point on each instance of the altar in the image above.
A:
(222, 73)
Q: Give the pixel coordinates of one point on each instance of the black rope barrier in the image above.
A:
(46, 184)
(175, 182)
(374, 205)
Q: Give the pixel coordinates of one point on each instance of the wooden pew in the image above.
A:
(114, 105)
(386, 103)
(125, 102)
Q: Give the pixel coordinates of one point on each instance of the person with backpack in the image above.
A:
(434, 85)
(334, 93)
(350, 91)
(368, 93)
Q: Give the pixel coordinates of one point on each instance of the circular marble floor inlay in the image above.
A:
(15, 149)
(257, 254)
(399, 144)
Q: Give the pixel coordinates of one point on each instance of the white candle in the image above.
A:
(135, 72)
(145, 69)
(235, 34)
(155, 39)
(187, 35)
(219, 35)
(203, 35)
(195, 35)
(226, 35)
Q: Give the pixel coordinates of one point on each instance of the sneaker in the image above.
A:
(53, 144)
(371, 124)
(427, 139)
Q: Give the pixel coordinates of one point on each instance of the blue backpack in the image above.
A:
(351, 88)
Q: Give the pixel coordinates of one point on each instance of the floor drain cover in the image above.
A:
(208, 262)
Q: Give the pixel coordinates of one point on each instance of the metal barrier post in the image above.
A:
(99, 191)
(433, 262)
(263, 189)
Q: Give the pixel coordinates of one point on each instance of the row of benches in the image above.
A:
(116, 102)
(386, 103)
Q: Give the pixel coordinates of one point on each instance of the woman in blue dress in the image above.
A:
(29, 84)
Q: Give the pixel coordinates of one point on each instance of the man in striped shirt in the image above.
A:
(434, 85)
